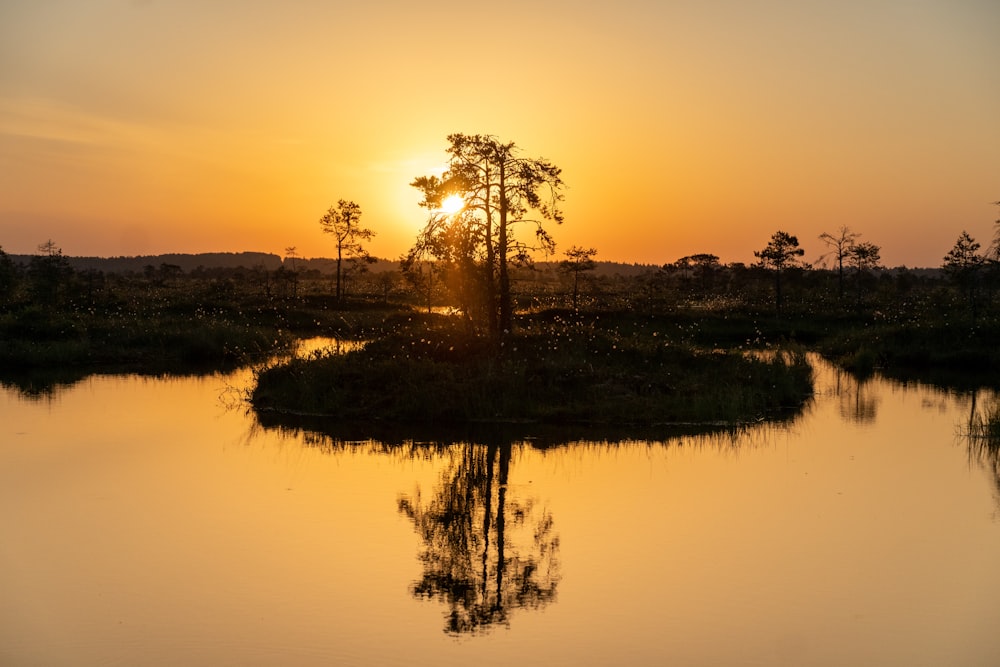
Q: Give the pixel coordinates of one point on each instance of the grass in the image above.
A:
(169, 330)
(616, 363)
(983, 437)
(551, 372)
(947, 353)
(161, 342)
(985, 428)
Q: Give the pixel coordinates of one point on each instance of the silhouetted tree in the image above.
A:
(293, 279)
(578, 260)
(291, 253)
(170, 271)
(48, 272)
(354, 268)
(343, 222)
(863, 257)
(780, 254)
(500, 188)
(993, 261)
(963, 264)
(286, 282)
(454, 242)
(485, 553)
(419, 275)
(8, 276)
(386, 282)
(702, 265)
(260, 277)
(840, 246)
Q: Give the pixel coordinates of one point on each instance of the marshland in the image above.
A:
(216, 461)
(301, 364)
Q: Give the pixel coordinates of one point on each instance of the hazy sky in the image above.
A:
(145, 126)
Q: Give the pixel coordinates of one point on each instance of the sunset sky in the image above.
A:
(133, 127)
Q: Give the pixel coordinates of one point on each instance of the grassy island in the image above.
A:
(553, 370)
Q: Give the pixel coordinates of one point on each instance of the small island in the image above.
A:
(559, 367)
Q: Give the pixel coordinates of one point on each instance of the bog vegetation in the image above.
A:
(589, 340)
(468, 326)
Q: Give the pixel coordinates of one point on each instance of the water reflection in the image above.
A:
(858, 399)
(41, 384)
(814, 541)
(47, 383)
(982, 434)
(331, 434)
(324, 345)
(486, 551)
(489, 547)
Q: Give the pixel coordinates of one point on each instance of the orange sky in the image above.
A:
(142, 126)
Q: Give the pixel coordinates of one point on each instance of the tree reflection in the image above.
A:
(858, 400)
(485, 552)
(983, 435)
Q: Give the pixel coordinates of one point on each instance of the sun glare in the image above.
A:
(452, 204)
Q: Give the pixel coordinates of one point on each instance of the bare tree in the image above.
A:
(840, 246)
(48, 272)
(291, 253)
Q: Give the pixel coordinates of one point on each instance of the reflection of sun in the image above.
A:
(452, 204)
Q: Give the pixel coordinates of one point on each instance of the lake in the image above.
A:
(154, 521)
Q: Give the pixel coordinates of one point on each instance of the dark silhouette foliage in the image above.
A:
(780, 254)
(343, 222)
(501, 188)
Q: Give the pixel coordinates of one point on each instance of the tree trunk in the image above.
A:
(506, 313)
(840, 278)
(487, 519)
(777, 290)
(339, 253)
(505, 451)
(430, 286)
(491, 291)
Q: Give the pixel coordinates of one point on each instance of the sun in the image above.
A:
(452, 204)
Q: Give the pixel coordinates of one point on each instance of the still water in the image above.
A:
(152, 522)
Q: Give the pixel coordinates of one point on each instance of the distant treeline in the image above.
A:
(195, 262)
(189, 263)
(183, 261)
